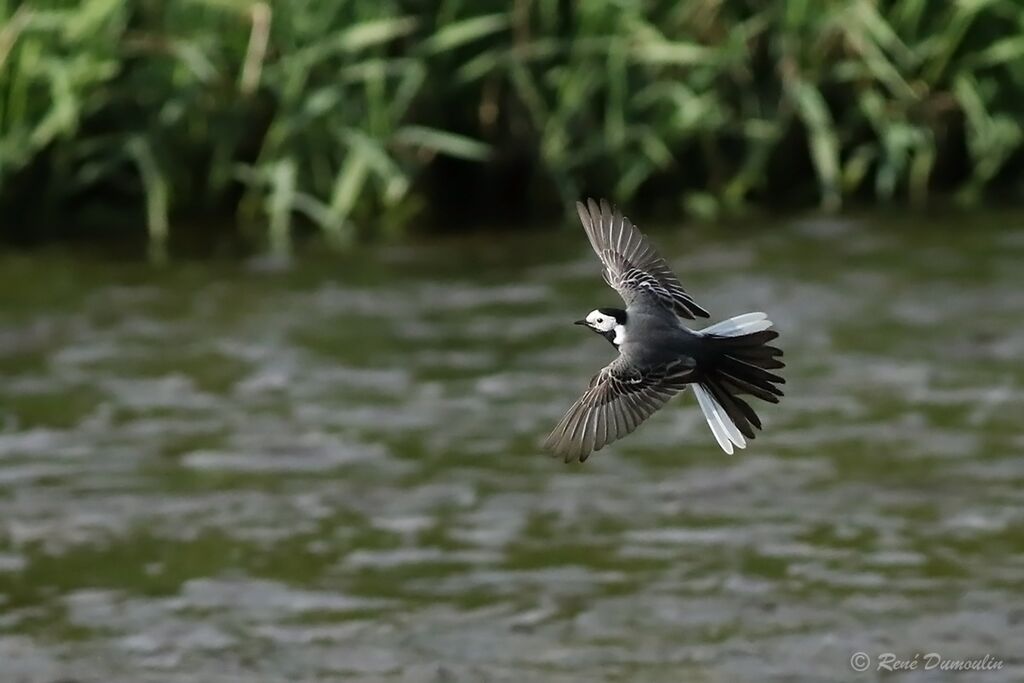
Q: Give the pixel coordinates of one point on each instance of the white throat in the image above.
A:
(620, 335)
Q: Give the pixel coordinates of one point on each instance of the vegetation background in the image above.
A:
(357, 118)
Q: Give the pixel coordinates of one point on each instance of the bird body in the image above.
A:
(652, 337)
(659, 355)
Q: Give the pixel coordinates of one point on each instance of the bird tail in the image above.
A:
(737, 360)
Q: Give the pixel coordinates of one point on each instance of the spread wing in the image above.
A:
(631, 265)
(620, 397)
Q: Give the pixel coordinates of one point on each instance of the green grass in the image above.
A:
(336, 114)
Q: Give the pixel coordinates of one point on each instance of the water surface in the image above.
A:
(209, 473)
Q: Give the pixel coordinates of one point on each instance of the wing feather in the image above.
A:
(619, 398)
(632, 266)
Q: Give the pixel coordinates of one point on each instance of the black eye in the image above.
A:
(600, 320)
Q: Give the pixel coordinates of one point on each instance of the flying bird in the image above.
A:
(658, 355)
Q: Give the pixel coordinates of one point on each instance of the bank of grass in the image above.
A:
(340, 113)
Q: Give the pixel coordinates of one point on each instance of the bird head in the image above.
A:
(610, 323)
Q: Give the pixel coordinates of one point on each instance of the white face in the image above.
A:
(602, 322)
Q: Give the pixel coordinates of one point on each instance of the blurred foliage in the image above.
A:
(334, 112)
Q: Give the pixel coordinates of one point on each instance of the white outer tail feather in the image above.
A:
(748, 323)
(725, 431)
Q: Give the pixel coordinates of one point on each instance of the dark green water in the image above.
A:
(215, 475)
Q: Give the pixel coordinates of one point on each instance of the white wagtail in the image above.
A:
(658, 355)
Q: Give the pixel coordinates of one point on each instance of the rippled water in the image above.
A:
(214, 474)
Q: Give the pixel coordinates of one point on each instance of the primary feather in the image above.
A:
(620, 397)
(632, 267)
